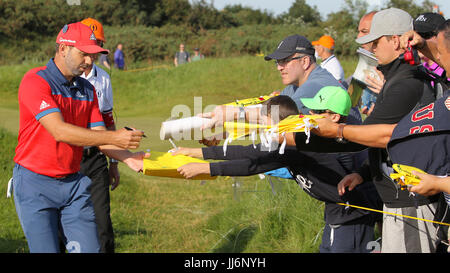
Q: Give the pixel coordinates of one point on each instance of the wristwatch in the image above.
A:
(112, 160)
(241, 112)
(340, 134)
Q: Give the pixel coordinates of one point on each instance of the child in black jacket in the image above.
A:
(347, 229)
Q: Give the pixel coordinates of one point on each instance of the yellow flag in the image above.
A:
(236, 130)
(404, 176)
(294, 123)
(166, 165)
(250, 101)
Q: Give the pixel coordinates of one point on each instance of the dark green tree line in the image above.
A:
(28, 26)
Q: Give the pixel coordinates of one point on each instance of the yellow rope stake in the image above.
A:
(385, 212)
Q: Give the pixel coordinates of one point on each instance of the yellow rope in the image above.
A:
(391, 213)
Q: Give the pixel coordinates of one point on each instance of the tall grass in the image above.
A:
(12, 238)
(152, 214)
(162, 215)
(10, 77)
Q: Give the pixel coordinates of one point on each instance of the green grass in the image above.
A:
(12, 238)
(215, 80)
(162, 215)
(152, 214)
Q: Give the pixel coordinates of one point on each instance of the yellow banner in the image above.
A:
(249, 101)
(292, 124)
(166, 165)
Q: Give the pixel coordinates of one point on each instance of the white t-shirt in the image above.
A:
(333, 66)
(102, 83)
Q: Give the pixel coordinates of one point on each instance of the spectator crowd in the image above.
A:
(62, 176)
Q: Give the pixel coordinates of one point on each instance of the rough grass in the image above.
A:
(12, 239)
(164, 215)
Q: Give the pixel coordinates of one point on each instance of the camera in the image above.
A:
(410, 56)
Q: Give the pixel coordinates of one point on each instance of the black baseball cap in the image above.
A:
(289, 46)
(428, 22)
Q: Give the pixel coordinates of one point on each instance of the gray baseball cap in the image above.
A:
(390, 21)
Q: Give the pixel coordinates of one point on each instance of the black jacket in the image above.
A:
(317, 173)
(422, 139)
(402, 92)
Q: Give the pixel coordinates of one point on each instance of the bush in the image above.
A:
(160, 43)
(156, 44)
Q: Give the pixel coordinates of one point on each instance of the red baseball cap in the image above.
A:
(80, 36)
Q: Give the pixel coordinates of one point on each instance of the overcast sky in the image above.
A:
(325, 6)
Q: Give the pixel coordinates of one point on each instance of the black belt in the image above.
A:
(90, 151)
(64, 177)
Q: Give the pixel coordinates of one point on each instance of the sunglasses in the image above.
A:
(283, 62)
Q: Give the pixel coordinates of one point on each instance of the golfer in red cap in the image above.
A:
(59, 115)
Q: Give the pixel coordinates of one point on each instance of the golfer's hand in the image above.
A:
(351, 181)
(191, 170)
(128, 139)
(136, 161)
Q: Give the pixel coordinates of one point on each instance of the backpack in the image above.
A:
(434, 86)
